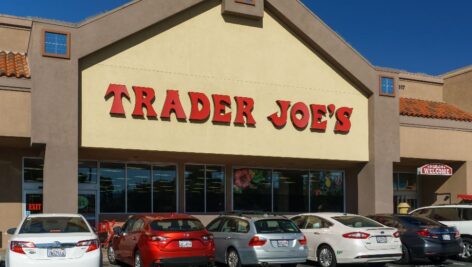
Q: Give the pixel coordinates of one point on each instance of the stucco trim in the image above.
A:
(435, 124)
(15, 83)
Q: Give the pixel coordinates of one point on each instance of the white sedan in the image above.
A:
(53, 240)
(347, 238)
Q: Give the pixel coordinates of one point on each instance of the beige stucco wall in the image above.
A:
(421, 90)
(15, 107)
(458, 91)
(14, 39)
(440, 144)
(208, 54)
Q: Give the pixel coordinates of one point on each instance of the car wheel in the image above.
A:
(466, 254)
(232, 259)
(437, 259)
(111, 255)
(406, 255)
(137, 260)
(326, 257)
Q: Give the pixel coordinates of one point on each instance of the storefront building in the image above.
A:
(211, 106)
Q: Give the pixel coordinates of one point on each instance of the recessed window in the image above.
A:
(387, 86)
(204, 188)
(56, 44)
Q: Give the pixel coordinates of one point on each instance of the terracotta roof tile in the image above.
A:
(432, 110)
(14, 65)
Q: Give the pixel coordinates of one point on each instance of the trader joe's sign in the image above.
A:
(435, 169)
(220, 109)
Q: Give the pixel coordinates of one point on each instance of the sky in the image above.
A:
(426, 36)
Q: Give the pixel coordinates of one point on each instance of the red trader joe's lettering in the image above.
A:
(200, 109)
(144, 96)
(117, 91)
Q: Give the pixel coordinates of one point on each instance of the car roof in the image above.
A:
(49, 215)
(255, 217)
(446, 206)
(164, 216)
(328, 214)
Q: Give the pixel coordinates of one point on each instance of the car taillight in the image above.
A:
(424, 233)
(207, 238)
(91, 245)
(302, 241)
(257, 241)
(157, 238)
(17, 246)
(457, 235)
(396, 234)
(356, 235)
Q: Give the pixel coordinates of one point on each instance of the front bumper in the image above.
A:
(194, 261)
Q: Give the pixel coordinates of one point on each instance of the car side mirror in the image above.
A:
(117, 230)
(11, 231)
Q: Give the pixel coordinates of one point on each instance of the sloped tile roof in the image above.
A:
(14, 65)
(433, 110)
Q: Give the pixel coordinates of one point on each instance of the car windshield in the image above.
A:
(274, 226)
(357, 221)
(43, 225)
(177, 225)
(418, 221)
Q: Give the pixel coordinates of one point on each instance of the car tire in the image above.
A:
(466, 255)
(111, 255)
(137, 259)
(437, 259)
(406, 258)
(233, 259)
(326, 256)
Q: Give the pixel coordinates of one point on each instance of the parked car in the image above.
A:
(257, 239)
(347, 238)
(155, 240)
(53, 240)
(423, 238)
(459, 216)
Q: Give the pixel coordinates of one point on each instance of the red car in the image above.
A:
(160, 240)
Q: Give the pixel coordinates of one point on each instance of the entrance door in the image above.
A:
(87, 206)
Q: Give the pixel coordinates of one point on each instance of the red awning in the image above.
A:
(465, 197)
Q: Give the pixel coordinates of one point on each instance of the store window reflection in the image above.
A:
(252, 189)
(33, 170)
(290, 190)
(87, 172)
(112, 187)
(405, 186)
(165, 188)
(139, 188)
(204, 188)
(327, 191)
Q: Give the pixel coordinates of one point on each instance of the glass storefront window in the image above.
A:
(138, 188)
(290, 190)
(252, 189)
(327, 191)
(165, 188)
(112, 187)
(33, 170)
(87, 172)
(204, 188)
(406, 181)
(87, 206)
(215, 188)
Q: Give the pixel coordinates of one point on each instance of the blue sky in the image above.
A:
(428, 36)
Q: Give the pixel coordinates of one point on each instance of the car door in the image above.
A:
(314, 231)
(227, 231)
(214, 228)
(466, 223)
(133, 236)
(124, 244)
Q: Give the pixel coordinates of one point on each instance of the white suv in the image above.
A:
(459, 216)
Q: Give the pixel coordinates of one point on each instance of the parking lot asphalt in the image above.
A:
(449, 263)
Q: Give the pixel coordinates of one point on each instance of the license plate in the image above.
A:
(381, 239)
(185, 244)
(56, 253)
(446, 237)
(282, 243)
